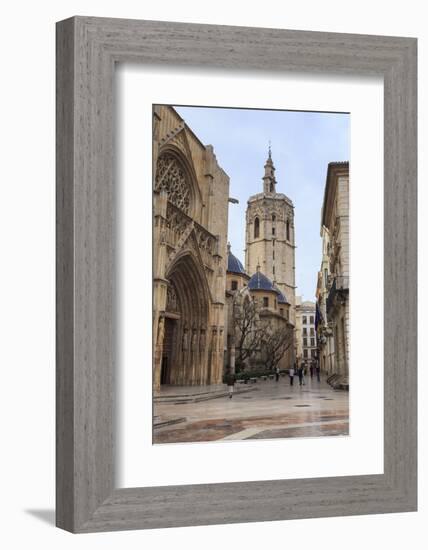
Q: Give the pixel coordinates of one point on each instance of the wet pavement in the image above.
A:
(272, 410)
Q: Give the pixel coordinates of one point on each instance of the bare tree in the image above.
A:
(247, 329)
(274, 343)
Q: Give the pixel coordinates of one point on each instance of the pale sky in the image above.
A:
(303, 143)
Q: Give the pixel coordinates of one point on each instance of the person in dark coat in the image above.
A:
(230, 381)
(300, 374)
(277, 374)
(291, 374)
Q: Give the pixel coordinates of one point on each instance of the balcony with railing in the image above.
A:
(338, 292)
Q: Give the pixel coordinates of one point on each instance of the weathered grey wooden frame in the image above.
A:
(87, 50)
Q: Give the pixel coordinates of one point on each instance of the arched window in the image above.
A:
(171, 177)
(287, 230)
(256, 228)
(273, 218)
(271, 187)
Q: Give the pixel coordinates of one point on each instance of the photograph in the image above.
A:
(250, 274)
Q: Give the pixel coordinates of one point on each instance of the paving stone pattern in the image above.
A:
(273, 410)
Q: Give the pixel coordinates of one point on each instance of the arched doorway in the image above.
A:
(185, 357)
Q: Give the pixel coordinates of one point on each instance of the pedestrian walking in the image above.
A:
(311, 370)
(318, 370)
(291, 375)
(277, 374)
(300, 374)
(230, 381)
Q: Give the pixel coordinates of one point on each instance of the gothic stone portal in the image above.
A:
(190, 201)
(185, 358)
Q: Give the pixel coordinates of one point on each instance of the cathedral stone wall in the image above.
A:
(190, 204)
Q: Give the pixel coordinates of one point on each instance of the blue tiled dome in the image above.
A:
(260, 282)
(234, 265)
(281, 297)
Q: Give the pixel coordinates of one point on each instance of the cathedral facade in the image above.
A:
(190, 210)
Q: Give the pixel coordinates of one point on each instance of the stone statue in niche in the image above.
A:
(161, 331)
(171, 298)
(214, 339)
(185, 339)
(202, 339)
(194, 338)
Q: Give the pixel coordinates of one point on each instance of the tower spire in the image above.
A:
(269, 180)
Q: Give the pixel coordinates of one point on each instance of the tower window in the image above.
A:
(273, 218)
(234, 285)
(271, 187)
(281, 311)
(256, 228)
(287, 230)
(273, 270)
(273, 231)
(265, 301)
(273, 254)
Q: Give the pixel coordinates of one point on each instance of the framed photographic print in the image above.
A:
(236, 274)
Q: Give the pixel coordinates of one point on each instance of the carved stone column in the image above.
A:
(232, 354)
(213, 355)
(220, 356)
(194, 355)
(202, 354)
(158, 348)
(185, 344)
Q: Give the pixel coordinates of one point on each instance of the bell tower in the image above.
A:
(270, 239)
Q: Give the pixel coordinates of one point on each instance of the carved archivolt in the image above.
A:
(171, 177)
(171, 299)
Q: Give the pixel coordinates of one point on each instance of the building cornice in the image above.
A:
(334, 170)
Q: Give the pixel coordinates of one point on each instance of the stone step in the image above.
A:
(197, 398)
